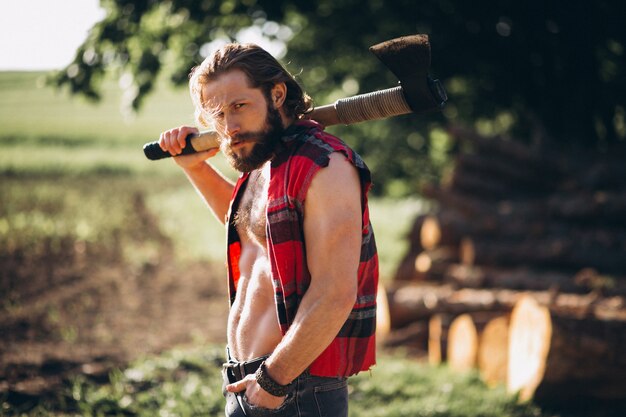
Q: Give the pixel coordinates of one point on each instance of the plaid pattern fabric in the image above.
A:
(306, 149)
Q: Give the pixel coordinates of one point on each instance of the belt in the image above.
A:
(236, 371)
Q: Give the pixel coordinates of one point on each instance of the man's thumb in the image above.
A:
(236, 387)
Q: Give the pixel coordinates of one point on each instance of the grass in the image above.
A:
(30, 109)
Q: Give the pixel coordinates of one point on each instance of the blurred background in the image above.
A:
(499, 219)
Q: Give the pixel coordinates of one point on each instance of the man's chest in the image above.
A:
(250, 218)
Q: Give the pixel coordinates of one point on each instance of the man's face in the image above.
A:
(248, 124)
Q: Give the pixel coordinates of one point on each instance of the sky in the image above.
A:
(44, 34)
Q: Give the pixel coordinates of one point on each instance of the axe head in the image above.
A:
(408, 58)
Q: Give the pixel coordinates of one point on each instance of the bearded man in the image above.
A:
(302, 261)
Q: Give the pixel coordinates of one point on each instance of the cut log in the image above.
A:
(406, 268)
(462, 344)
(426, 265)
(464, 336)
(434, 233)
(534, 279)
(471, 205)
(433, 264)
(438, 328)
(511, 150)
(589, 205)
(515, 278)
(383, 321)
(487, 187)
(515, 174)
(448, 226)
(563, 252)
(560, 356)
(415, 232)
(413, 302)
(493, 351)
(467, 204)
(413, 338)
(409, 302)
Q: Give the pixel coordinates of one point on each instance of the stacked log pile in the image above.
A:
(520, 270)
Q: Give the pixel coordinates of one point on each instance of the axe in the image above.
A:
(407, 57)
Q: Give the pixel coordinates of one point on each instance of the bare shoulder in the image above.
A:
(335, 189)
(339, 175)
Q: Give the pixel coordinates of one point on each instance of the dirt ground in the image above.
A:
(101, 317)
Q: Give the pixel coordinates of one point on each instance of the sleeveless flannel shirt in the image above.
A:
(304, 150)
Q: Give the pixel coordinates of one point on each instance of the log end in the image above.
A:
(467, 252)
(430, 233)
(493, 351)
(462, 343)
(530, 335)
(436, 340)
(383, 318)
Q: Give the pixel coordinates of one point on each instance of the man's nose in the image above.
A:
(231, 126)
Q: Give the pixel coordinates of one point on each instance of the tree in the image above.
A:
(536, 66)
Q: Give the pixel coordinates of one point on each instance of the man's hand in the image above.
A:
(256, 395)
(174, 140)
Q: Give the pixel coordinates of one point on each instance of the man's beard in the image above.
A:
(265, 142)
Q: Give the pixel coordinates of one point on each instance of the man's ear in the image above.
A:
(279, 94)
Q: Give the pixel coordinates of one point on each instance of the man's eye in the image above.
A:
(239, 105)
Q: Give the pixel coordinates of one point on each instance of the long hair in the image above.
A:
(261, 68)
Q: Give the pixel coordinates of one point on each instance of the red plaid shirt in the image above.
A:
(305, 149)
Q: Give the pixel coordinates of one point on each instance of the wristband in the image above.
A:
(268, 384)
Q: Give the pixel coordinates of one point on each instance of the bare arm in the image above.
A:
(212, 186)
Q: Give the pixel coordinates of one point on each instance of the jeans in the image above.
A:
(313, 396)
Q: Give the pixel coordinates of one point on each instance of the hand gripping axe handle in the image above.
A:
(407, 57)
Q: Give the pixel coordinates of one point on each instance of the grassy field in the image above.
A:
(79, 200)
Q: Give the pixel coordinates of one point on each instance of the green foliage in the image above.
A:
(399, 387)
(178, 383)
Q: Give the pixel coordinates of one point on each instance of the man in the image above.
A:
(302, 261)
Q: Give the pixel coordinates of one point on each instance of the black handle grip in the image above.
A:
(153, 151)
